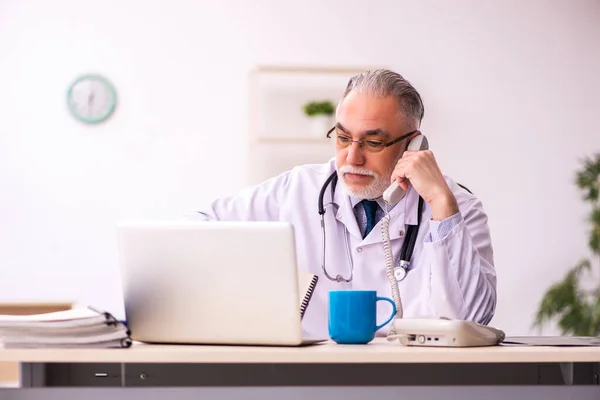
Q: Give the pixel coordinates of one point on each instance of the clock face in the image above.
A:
(91, 98)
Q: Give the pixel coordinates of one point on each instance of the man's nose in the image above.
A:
(355, 154)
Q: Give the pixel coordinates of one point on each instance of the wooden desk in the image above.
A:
(380, 351)
(9, 371)
(380, 363)
(325, 371)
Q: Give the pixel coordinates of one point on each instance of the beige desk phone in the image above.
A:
(430, 332)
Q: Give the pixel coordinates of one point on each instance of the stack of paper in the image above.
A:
(78, 327)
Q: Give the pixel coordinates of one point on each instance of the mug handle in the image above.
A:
(378, 327)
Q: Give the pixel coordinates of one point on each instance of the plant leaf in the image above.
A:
(594, 241)
(576, 311)
(563, 300)
(588, 178)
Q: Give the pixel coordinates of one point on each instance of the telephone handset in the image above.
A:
(395, 193)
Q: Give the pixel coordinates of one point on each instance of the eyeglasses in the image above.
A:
(370, 145)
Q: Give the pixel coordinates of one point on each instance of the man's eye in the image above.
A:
(374, 144)
(343, 139)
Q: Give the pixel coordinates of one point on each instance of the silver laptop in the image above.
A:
(201, 282)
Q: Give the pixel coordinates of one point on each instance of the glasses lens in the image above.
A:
(342, 141)
(372, 146)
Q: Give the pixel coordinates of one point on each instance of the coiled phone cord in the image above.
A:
(389, 268)
(411, 237)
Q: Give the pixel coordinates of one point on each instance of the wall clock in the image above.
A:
(91, 98)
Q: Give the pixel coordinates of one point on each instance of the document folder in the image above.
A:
(552, 341)
(78, 327)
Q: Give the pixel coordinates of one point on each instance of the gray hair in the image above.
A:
(383, 82)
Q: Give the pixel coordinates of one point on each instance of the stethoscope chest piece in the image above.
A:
(399, 273)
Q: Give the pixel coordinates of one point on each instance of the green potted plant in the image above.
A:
(576, 307)
(320, 114)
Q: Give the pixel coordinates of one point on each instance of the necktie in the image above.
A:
(370, 207)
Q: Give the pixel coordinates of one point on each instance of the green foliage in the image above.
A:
(577, 310)
(319, 108)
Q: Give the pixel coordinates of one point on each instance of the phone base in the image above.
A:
(431, 332)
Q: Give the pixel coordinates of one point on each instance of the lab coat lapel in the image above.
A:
(345, 213)
(411, 206)
(404, 213)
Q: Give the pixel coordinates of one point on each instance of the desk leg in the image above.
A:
(580, 373)
(32, 375)
(38, 375)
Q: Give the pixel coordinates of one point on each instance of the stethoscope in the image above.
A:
(401, 270)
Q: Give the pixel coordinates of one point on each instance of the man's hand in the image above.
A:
(421, 169)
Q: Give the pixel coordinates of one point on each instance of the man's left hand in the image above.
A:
(421, 169)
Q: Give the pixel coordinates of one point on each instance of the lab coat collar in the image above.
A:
(354, 201)
(405, 212)
(411, 205)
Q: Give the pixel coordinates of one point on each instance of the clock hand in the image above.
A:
(90, 101)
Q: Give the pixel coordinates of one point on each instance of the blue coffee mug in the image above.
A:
(353, 315)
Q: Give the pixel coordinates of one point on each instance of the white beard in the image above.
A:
(371, 191)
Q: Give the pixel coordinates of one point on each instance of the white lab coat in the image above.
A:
(453, 277)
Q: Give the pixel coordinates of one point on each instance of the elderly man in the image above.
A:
(451, 270)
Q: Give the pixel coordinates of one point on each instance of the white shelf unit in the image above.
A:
(280, 134)
(267, 139)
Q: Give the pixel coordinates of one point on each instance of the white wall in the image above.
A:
(512, 84)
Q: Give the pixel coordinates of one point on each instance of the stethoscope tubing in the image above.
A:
(407, 247)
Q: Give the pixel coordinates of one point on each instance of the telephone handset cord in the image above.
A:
(389, 266)
(411, 237)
